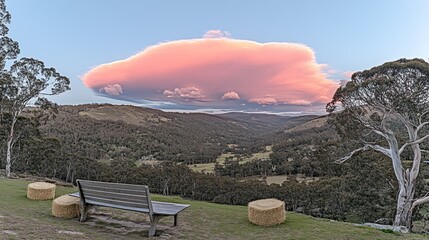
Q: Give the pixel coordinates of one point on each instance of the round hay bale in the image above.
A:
(267, 212)
(41, 191)
(65, 207)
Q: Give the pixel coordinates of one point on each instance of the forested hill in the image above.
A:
(268, 122)
(105, 132)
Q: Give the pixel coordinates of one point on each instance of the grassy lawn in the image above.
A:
(21, 218)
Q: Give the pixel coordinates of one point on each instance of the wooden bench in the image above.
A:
(125, 196)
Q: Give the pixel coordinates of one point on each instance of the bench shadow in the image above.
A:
(128, 223)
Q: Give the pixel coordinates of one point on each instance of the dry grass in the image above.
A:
(279, 179)
(128, 114)
(315, 123)
(209, 167)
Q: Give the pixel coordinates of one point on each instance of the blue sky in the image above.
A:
(75, 36)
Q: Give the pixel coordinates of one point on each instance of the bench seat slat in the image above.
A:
(138, 198)
(169, 209)
(116, 202)
(104, 204)
(107, 185)
(159, 208)
(115, 190)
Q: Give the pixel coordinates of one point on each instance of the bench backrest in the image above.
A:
(116, 194)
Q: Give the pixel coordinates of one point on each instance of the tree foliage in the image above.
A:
(391, 102)
(26, 81)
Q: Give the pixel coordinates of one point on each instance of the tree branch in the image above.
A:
(373, 129)
(412, 134)
(421, 126)
(380, 133)
(350, 155)
(420, 140)
(377, 148)
(403, 147)
(420, 201)
(412, 143)
(421, 117)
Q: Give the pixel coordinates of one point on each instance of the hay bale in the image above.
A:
(267, 212)
(65, 207)
(41, 191)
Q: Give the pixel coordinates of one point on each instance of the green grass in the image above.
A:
(33, 220)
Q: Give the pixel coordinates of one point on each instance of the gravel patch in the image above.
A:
(9, 232)
(70, 232)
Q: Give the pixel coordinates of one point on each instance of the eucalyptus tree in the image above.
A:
(26, 81)
(391, 102)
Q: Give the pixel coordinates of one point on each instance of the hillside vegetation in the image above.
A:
(22, 218)
(264, 123)
(105, 132)
(295, 163)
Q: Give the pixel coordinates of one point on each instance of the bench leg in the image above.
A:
(175, 220)
(84, 211)
(153, 224)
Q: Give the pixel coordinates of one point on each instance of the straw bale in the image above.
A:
(266, 212)
(65, 207)
(41, 191)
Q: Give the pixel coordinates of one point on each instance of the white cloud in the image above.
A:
(300, 102)
(111, 89)
(187, 93)
(264, 100)
(230, 96)
(217, 34)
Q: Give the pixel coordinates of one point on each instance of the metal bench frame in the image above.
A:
(127, 197)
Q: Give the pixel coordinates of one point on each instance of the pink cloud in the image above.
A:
(191, 93)
(230, 96)
(111, 89)
(300, 103)
(264, 100)
(217, 34)
(205, 70)
(348, 74)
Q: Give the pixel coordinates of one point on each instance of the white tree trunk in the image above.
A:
(406, 181)
(404, 210)
(10, 146)
(406, 178)
(8, 156)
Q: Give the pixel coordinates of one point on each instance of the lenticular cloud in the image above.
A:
(210, 72)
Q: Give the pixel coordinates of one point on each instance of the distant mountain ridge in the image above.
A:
(269, 122)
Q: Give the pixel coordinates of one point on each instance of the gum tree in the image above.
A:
(391, 101)
(26, 81)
